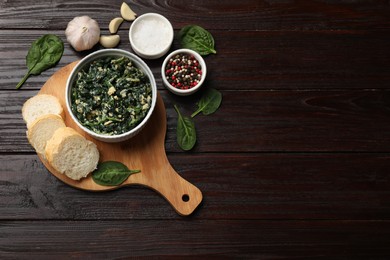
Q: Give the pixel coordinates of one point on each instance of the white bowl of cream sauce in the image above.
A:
(151, 35)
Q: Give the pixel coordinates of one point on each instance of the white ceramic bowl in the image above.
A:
(111, 53)
(151, 35)
(178, 91)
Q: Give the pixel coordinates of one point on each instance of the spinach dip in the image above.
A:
(111, 96)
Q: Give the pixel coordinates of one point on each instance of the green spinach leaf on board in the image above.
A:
(44, 53)
(198, 39)
(111, 173)
(185, 131)
(209, 103)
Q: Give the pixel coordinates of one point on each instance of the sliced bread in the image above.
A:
(39, 105)
(71, 154)
(42, 129)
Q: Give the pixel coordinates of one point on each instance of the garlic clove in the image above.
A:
(109, 41)
(127, 13)
(114, 24)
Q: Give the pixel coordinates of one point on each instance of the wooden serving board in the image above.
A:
(145, 151)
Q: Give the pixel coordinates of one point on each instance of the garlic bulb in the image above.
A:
(82, 33)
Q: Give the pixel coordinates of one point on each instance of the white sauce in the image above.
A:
(152, 35)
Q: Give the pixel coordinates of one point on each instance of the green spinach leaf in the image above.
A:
(209, 103)
(186, 133)
(198, 39)
(111, 173)
(43, 54)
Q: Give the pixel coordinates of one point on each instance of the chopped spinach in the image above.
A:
(111, 96)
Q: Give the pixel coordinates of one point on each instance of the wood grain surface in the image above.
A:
(294, 164)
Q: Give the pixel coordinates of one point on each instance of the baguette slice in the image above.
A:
(39, 105)
(42, 129)
(71, 154)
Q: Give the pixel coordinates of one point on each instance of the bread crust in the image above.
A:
(34, 128)
(27, 105)
(75, 162)
(53, 145)
(54, 148)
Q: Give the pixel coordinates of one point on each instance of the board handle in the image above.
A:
(180, 193)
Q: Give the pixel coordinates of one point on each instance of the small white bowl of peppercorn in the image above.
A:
(183, 72)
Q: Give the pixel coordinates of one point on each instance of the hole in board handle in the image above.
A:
(185, 198)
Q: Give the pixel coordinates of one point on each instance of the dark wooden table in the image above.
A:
(295, 163)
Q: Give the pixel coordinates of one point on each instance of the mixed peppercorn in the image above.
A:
(183, 71)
